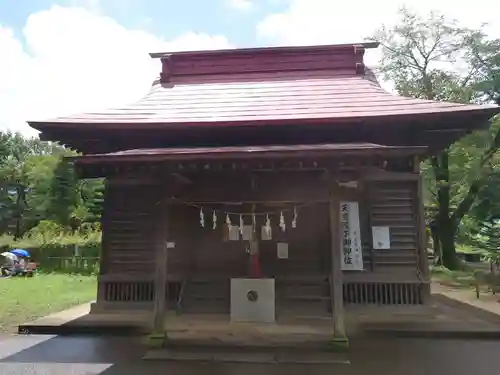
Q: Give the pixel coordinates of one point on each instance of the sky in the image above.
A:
(60, 57)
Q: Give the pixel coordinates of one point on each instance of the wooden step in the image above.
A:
(308, 298)
(200, 297)
(206, 295)
(303, 290)
(205, 306)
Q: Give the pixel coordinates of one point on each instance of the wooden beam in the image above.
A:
(345, 165)
(161, 276)
(131, 181)
(265, 202)
(379, 175)
(336, 270)
(271, 187)
(182, 179)
(434, 131)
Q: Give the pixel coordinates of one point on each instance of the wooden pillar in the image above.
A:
(160, 284)
(336, 270)
(422, 240)
(105, 249)
(159, 334)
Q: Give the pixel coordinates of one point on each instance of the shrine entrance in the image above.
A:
(270, 241)
(279, 250)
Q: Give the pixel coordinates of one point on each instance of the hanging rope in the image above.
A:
(294, 209)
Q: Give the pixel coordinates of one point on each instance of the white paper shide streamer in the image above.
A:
(282, 222)
(242, 224)
(268, 225)
(202, 218)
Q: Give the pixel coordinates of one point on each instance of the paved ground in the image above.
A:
(487, 301)
(440, 318)
(30, 355)
(91, 355)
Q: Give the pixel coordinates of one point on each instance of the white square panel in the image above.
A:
(252, 300)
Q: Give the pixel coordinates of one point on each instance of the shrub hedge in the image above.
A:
(54, 249)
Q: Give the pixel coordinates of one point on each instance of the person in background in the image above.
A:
(9, 265)
(19, 266)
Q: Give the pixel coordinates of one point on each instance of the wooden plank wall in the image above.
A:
(209, 255)
(129, 224)
(212, 255)
(128, 229)
(308, 244)
(393, 204)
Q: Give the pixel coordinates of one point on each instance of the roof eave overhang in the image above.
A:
(482, 115)
(383, 151)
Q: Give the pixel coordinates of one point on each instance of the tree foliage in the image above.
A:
(435, 59)
(39, 184)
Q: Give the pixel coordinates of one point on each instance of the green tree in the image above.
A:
(485, 54)
(63, 194)
(48, 188)
(487, 237)
(95, 201)
(420, 55)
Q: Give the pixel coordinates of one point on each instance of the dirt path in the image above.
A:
(486, 302)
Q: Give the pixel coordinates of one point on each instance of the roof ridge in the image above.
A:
(266, 50)
(277, 60)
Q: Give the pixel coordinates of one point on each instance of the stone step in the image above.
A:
(262, 356)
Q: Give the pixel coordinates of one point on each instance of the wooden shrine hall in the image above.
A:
(261, 182)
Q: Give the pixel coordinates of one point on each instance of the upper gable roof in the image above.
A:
(288, 85)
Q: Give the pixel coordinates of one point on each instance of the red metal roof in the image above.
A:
(249, 152)
(323, 84)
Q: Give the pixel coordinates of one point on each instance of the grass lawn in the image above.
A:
(25, 299)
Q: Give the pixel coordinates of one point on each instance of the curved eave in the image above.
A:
(318, 98)
(482, 115)
(249, 152)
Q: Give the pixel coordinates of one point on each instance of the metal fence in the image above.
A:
(74, 264)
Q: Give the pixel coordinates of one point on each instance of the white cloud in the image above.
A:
(243, 5)
(308, 22)
(74, 60)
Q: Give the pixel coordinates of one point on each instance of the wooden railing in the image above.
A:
(128, 291)
(384, 293)
(140, 289)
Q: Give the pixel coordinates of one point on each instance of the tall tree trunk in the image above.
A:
(447, 233)
(446, 228)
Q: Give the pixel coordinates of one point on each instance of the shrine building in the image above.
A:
(263, 182)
